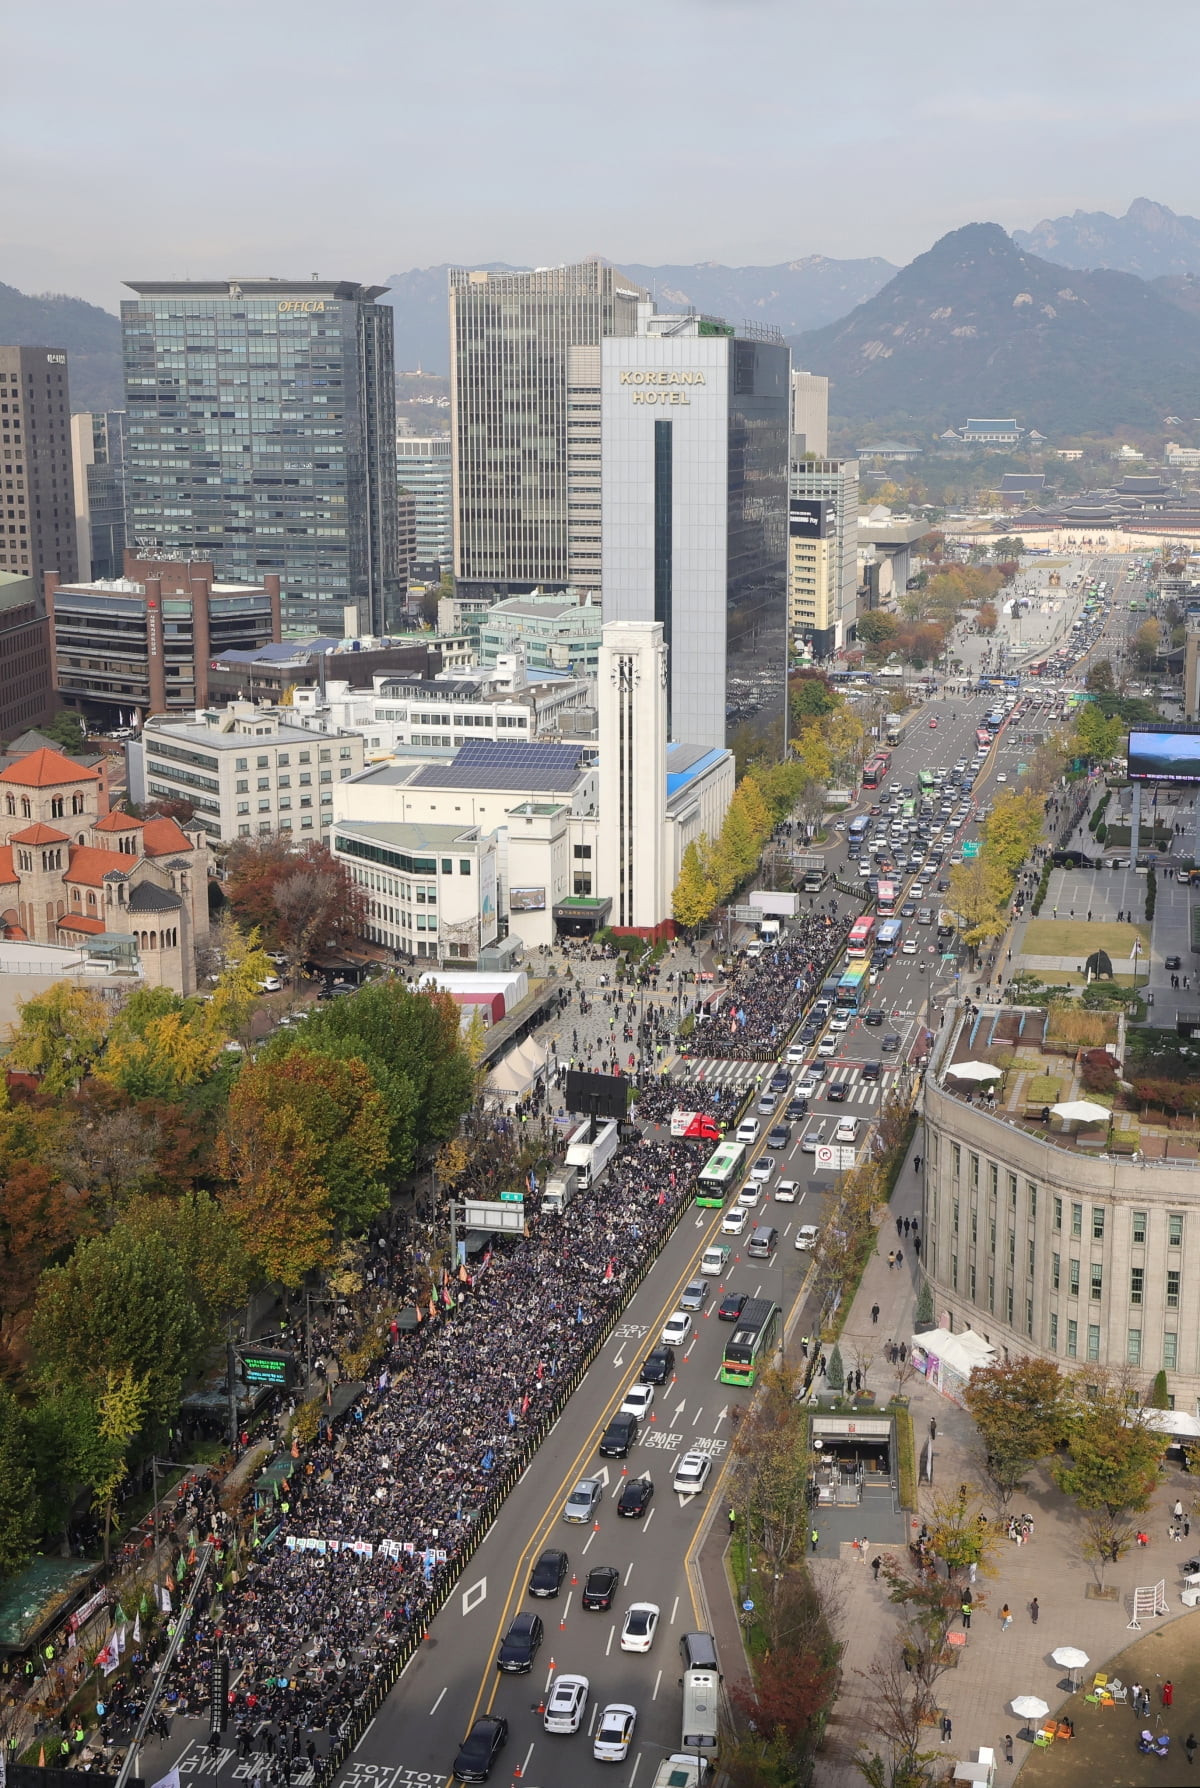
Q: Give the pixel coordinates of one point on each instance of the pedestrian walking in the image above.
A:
(947, 1728)
(1034, 1611)
(933, 1427)
(1168, 1693)
(1189, 1745)
(874, 1312)
(732, 1519)
(876, 1562)
(1006, 1618)
(1008, 1747)
(813, 1537)
(1177, 1511)
(891, 1260)
(965, 1611)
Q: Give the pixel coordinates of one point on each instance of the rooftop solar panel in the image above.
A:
(508, 764)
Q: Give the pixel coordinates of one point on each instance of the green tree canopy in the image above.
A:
(1020, 1409)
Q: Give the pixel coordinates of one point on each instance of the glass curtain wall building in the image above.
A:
(261, 434)
(511, 336)
(695, 432)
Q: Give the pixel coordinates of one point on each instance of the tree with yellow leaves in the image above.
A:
(1013, 828)
(122, 1407)
(695, 892)
(60, 1036)
(980, 891)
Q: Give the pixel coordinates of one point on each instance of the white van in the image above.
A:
(847, 1130)
(701, 1696)
(714, 1261)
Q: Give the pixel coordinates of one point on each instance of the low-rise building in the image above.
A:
(244, 770)
(26, 666)
(449, 712)
(431, 890)
(272, 673)
(557, 632)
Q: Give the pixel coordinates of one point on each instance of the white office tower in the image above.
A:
(810, 414)
(632, 702)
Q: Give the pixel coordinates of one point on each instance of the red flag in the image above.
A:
(524, 1403)
(608, 1271)
(541, 1371)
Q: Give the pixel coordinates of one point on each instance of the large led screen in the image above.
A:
(1164, 757)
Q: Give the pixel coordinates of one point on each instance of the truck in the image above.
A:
(775, 903)
(769, 931)
(810, 871)
(592, 1154)
(561, 1187)
(692, 1124)
(681, 1771)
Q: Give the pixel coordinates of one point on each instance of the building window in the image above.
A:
(263, 763)
(1093, 1341)
(464, 865)
(264, 782)
(954, 1271)
(1139, 1226)
(993, 1178)
(1029, 1316)
(1133, 1347)
(1058, 1214)
(1012, 1191)
(1054, 1331)
(1010, 1303)
(1137, 1282)
(1032, 1190)
(1077, 1219)
(955, 1159)
(1173, 1288)
(1097, 1282)
(1175, 1230)
(243, 806)
(1170, 1350)
(1097, 1222)
(1032, 1251)
(241, 763)
(971, 1284)
(1055, 1267)
(56, 807)
(975, 1170)
(242, 787)
(1072, 1339)
(1073, 1278)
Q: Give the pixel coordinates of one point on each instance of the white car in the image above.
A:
(749, 1195)
(638, 1399)
(806, 1237)
(640, 1626)
(1002, 777)
(272, 984)
(787, 1191)
(676, 1329)
(762, 1170)
(828, 1044)
(734, 1221)
(691, 1474)
(794, 1055)
(614, 1734)
(839, 1023)
(566, 1704)
(807, 1088)
(909, 947)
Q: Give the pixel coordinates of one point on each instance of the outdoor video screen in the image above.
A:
(1164, 757)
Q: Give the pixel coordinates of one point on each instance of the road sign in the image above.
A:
(970, 849)
(747, 1606)
(512, 1198)
(747, 915)
(478, 1214)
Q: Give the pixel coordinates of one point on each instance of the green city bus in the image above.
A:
(719, 1174)
(925, 778)
(752, 1343)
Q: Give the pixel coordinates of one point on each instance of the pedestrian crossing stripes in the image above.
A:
(734, 1078)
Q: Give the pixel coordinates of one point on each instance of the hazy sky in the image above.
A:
(360, 138)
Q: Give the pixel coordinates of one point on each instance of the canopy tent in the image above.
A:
(516, 1072)
(948, 1360)
(1081, 1111)
(1172, 1421)
(975, 1071)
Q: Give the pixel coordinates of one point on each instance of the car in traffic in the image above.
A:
(519, 1646)
(635, 1497)
(872, 1016)
(714, 1260)
(767, 1103)
(730, 1307)
(479, 1750)
(890, 1044)
(676, 1329)
(658, 1365)
(734, 1220)
(691, 1474)
(619, 1436)
(762, 1170)
(600, 1588)
(1172, 962)
(787, 1191)
(838, 1023)
(806, 1237)
(614, 1734)
(639, 1626)
(814, 1136)
(583, 1501)
(828, 1045)
(837, 1092)
(747, 1130)
(872, 1071)
(779, 1136)
(566, 1704)
(909, 947)
(796, 1108)
(547, 1575)
(925, 915)
(637, 1400)
(694, 1295)
(750, 1194)
(807, 1088)
(794, 1055)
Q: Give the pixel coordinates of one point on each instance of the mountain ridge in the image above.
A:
(91, 338)
(1150, 240)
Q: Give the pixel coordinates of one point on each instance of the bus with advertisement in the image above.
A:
(850, 988)
(719, 1174)
(752, 1343)
(887, 938)
(983, 739)
(876, 768)
(858, 829)
(885, 899)
(861, 934)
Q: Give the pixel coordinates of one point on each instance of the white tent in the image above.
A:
(948, 1360)
(516, 1072)
(1171, 1421)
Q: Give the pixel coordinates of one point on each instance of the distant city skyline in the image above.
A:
(392, 137)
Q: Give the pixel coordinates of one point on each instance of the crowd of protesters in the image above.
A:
(764, 997)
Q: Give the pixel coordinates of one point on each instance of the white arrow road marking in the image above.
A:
(620, 1358)
(473, 1596)
(601, 1475)
(678, 1413)
(722, 1416)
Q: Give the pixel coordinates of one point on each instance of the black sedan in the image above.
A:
(518, 1648)
(779, 1137)
(890, 1044)
(872, 1015)
(796, 1108)
(634, 1499)
(837, 1092)
(548, 1573)
(601, 1586)
(479, 1750)
(731, 1306)
(658, 1365)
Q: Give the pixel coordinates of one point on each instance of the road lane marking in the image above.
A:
(628, 1573)
(634, 1770)
(432, 1711)
(525, 1765)
(657, 1680)
(567, 1608)
(590, 1538)
(474, 1596)
(363, 1739)
(648, 1520)
(611, 1636)
(674, 1610)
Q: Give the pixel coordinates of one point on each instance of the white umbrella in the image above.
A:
(1070, 1657)
(1081, 1111)
(975, 1071)
(1029, 1707)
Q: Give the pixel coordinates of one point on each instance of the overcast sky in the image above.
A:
(361, 138)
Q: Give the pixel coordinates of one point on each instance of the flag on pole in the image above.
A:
(170, 1780)
(137, 1628)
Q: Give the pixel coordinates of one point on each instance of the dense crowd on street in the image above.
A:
(385, 1501)
(764, 997)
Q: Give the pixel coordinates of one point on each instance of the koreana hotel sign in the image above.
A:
(673, 379)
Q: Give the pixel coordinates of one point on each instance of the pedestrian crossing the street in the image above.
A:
(733, 1079)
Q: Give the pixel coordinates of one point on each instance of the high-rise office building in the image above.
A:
(517, 430)
(38, 512)
(810, 414)
(695, 431)
(423, 467)
(98, 466)
(262, 436)
(835, 481)
(814, 574)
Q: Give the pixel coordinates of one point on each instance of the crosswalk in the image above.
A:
(734, 1078)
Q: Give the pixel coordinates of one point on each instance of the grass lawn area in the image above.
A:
(1064, 978)
(1075, 937)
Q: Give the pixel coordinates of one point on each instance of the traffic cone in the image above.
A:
(574, 1581)
(596, 1525)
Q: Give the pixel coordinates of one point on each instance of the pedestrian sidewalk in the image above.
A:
(993, 1665)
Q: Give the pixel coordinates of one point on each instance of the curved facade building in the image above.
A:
(1045, 1247)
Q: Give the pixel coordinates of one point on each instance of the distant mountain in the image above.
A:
(1182, 289)
(91, 337)
(1149, 240)
(976, 327)
(796, 295)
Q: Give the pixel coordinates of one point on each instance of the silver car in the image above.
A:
(583, 1500)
